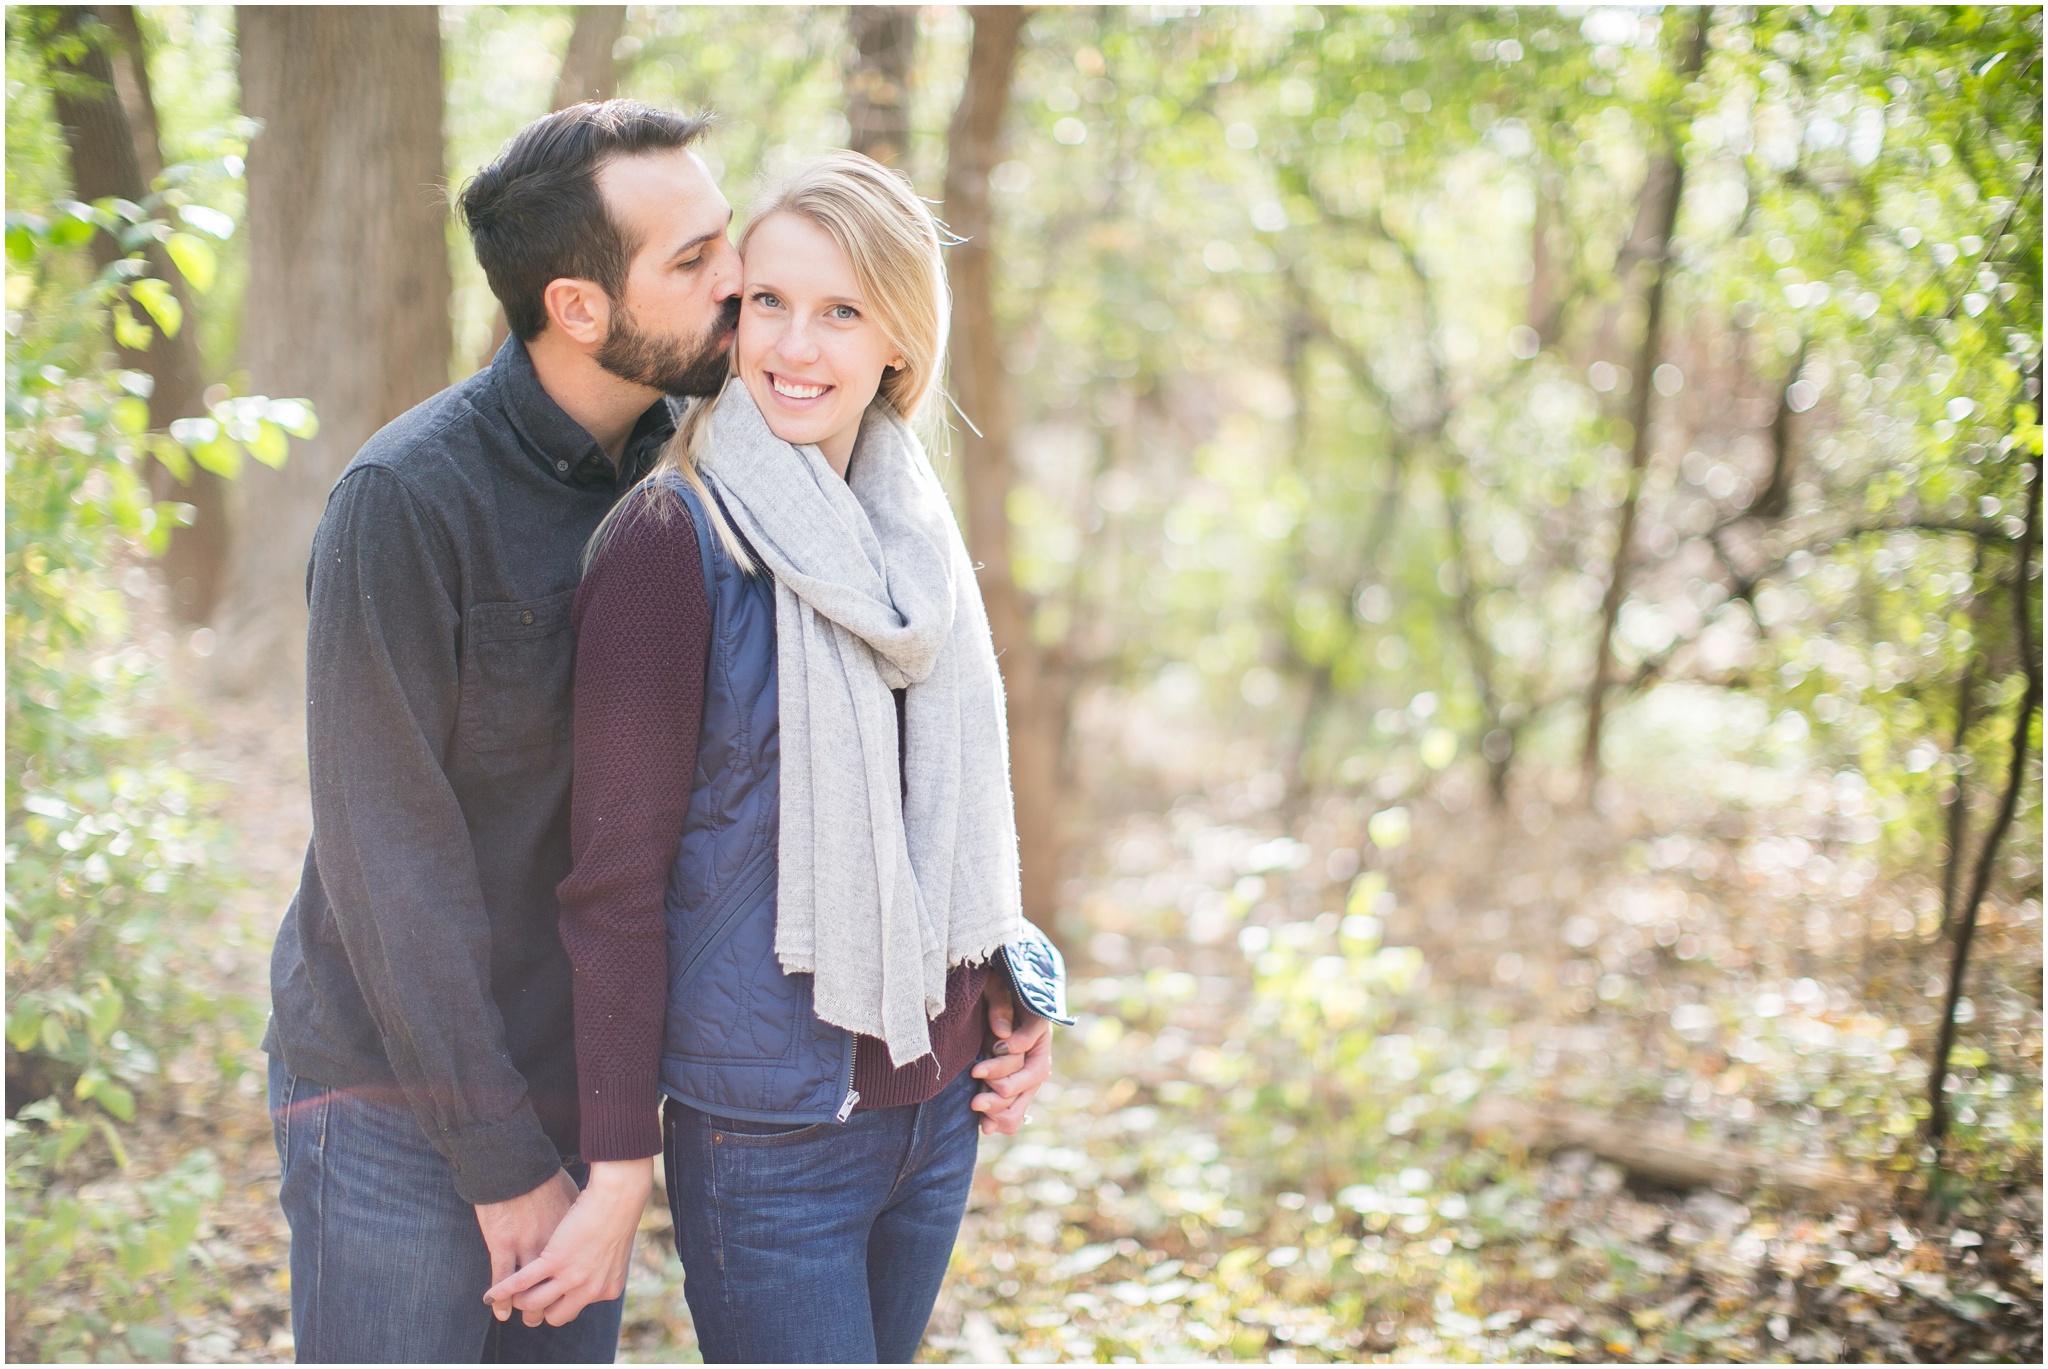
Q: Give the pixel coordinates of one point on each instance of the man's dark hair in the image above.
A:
(536, 215)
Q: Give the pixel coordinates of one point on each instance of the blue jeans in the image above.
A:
(388, 1263)
(821, 1244)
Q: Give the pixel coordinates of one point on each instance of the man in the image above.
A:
(423, 1080)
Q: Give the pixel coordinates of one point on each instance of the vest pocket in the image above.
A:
(518, 673)
(729, 999)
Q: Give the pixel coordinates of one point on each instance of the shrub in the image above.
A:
(114, 861)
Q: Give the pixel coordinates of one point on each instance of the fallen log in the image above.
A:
(1665, 1155)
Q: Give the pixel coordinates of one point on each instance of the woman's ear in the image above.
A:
(580, 308)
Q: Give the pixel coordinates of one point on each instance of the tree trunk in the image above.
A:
(1959, 805)
(2025, 616)
(1656, 218)
(131, 82)
(588, 73)
(110, 131)
(348, 280)
(1548, 286)
(884, 39)
(987, 465)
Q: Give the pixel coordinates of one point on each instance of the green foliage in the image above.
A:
(132, 1240)
(1324, 331)
(111, 861)
(114, 862)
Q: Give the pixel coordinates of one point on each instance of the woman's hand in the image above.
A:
(1023, 1061)
(585, 1260)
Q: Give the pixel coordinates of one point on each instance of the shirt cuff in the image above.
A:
(621, 1118)
(503, 1160)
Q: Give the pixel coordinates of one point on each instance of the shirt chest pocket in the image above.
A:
(518, 673)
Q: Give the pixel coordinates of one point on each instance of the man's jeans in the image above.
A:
(388, 1263)
(819, 1244)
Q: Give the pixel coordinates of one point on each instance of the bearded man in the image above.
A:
(423, 1078)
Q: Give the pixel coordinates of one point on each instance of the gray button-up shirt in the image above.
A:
(421, 951)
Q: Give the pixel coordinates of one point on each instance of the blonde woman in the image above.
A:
(793, 911)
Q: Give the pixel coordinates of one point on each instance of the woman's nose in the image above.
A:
(796, 342)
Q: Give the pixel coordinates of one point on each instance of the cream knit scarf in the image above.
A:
(878, 895)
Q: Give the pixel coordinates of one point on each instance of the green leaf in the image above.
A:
(129, 332)
(23, 1025)
(208, 220)
(113, 1139)
(194, 257)
(270, 445)
(71, 232)
(95, 1087)
(295, 416)
(104, 1013)
(222, 456)
(114, 207)
(156, 529)
(151, 1344)
(131, 415)
(172, 454)
(72, 1135)
(117, 1099)
(156, 297)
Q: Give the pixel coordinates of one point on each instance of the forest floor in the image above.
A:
(1267, 1138)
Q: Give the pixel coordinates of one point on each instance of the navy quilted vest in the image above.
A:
(742, 1040)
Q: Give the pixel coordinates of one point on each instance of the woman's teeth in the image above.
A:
(789, 389)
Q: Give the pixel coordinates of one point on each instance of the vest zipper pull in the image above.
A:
(846, 1108)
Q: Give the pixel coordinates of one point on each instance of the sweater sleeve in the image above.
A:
(643, 625)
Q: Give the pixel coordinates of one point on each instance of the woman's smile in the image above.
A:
(797, 392)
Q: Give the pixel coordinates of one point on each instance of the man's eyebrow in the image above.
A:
(694, 243)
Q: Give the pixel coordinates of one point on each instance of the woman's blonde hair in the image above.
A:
(892, 242)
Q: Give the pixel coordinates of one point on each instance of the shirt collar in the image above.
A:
(558, 443)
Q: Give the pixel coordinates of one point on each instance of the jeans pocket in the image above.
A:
(732, 1131)
(283, 1085)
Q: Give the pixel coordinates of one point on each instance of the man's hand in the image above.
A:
(517, 1230)
(586, 1258)
(1023, 1061)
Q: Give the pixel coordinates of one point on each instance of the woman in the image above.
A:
(795, 860)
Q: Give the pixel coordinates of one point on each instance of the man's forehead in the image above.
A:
(672, 189)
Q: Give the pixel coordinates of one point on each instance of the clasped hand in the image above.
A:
(555, 1251)
(582, 1255)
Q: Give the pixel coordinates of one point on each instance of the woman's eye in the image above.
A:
(845, 312)
(766, 300)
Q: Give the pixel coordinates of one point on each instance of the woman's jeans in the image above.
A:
(819, 1244)
(388, 1263)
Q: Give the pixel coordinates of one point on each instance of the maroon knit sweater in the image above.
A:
(643, 632)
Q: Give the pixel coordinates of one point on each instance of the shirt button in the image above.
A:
(561, 465)
(526, 618)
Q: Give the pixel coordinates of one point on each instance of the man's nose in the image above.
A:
(725, 283)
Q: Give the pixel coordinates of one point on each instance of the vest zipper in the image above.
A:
(852, 1093)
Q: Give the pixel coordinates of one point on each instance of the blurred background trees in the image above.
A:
(1484, 417)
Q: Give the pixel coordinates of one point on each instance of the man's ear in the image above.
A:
(579, 308)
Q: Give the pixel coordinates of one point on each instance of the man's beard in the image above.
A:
(665, 362)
